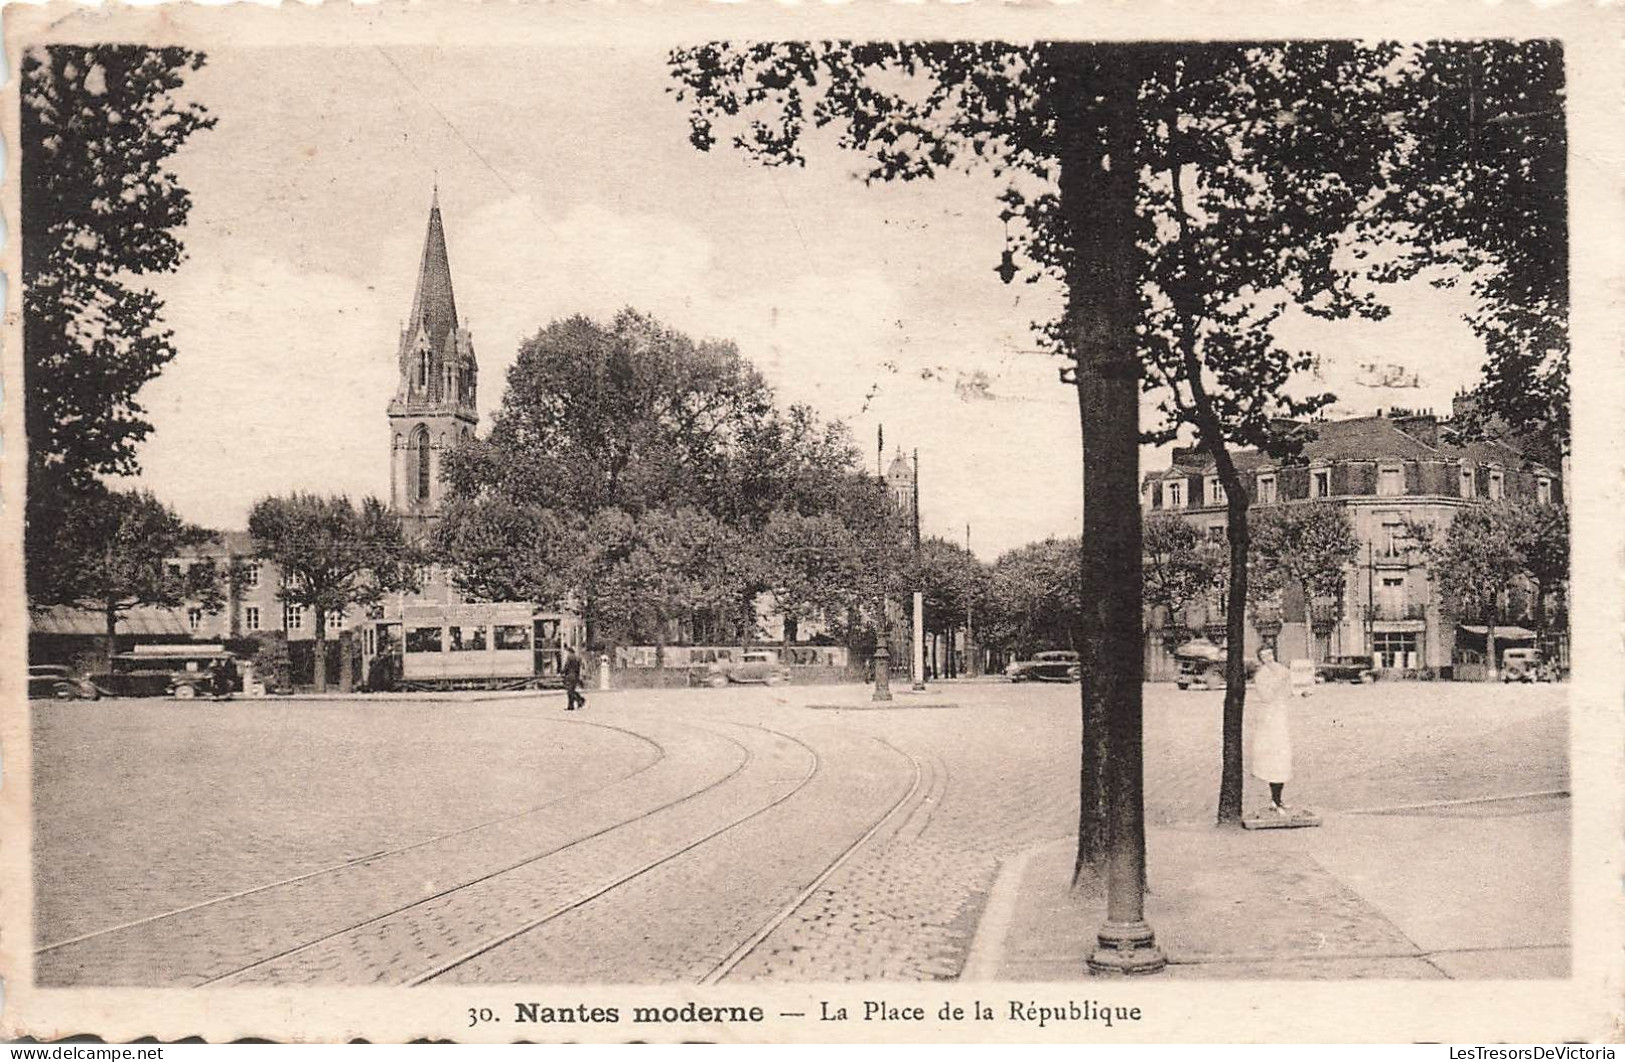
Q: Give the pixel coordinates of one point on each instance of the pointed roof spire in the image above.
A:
(434, 307)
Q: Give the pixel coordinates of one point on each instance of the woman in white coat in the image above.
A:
(1271, 746)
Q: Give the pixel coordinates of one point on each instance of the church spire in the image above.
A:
(434, 307)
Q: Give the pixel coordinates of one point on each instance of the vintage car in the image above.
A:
(752, 666)
(55, 680)
(1052, 665)
(1202, 664)
(1525, 665)
(184, 671)
(1346, 669)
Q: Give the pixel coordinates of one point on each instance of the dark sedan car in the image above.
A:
(55, 680)
(1346, 669)
(1054, 665)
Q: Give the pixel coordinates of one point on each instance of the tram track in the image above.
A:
(926, 781)
(738, 768)
(374, 857)
(732, 960)
(492, 944)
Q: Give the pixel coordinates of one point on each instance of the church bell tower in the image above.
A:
(433, 409)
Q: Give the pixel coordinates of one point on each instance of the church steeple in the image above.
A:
(434, 306)
(434, 405)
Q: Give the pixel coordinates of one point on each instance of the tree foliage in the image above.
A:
(1033, 598)
(1308, 547)
(1181, 567)
(1492, 547)
(119, 550)
(333, 555)
(1486, 163)
(97, 124)
(652, 477)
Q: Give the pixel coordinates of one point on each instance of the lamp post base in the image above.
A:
(882, 674)
(1126, 950)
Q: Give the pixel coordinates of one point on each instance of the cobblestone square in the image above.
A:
(658, 836)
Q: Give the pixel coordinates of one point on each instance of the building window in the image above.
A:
(1391, 481)
(1215, 534)
(1395, 649)
(1497, 484)
(1543, 490)
(1215, 491)
(369, 641)
(511, 636)
(293, 618)
(335, 621)
(1173, 494)
(1266, 489)
(194, 618)
(251, 576)
(420, 442)
(1392, 539)
(1467, 490)
(423, 371)
(251, 618)
(1320, 483)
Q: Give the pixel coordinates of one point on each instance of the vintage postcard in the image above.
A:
(745, 522)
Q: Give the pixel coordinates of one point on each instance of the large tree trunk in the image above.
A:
(1231, 773)
(1098, 187)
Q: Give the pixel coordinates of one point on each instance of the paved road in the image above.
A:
(659, 836)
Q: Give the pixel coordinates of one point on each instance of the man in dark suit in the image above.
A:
(571, 671)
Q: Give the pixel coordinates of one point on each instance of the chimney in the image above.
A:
(1423, 426)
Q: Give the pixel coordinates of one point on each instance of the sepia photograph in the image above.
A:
(738, 532)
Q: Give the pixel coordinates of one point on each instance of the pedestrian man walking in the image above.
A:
(572, 681)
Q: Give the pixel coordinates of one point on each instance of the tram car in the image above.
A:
(495, 645)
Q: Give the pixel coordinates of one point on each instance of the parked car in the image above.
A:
(1202, 664)
(1525, 665)
(55, 680)
(183, 671)
(1346, 669)
(1052, 665)
(754, 666)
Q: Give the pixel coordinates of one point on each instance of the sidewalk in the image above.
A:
(1472, 890)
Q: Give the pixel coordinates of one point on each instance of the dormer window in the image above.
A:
(1391, 480)
(1173, 494)
(1215, 491)
(1468, 488)
(1266, 488)
(1497, 484)
(1320, 483)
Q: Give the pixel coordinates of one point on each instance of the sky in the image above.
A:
(568, 185)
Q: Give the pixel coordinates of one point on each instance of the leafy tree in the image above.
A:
(1546, 557)
(95, 126)
(1474, 560)
(120, 550)
(333, 555)
(951, 581)
(632, 415)
(1181, 567)
(1309, 547)
(1491, 547)
(1487, 165)
(1033, 598)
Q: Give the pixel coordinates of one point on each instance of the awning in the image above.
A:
(1502, 634)
(86, 622)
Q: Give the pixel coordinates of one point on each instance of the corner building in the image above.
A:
(1384, 471)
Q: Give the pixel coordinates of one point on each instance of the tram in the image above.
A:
(502, 645)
